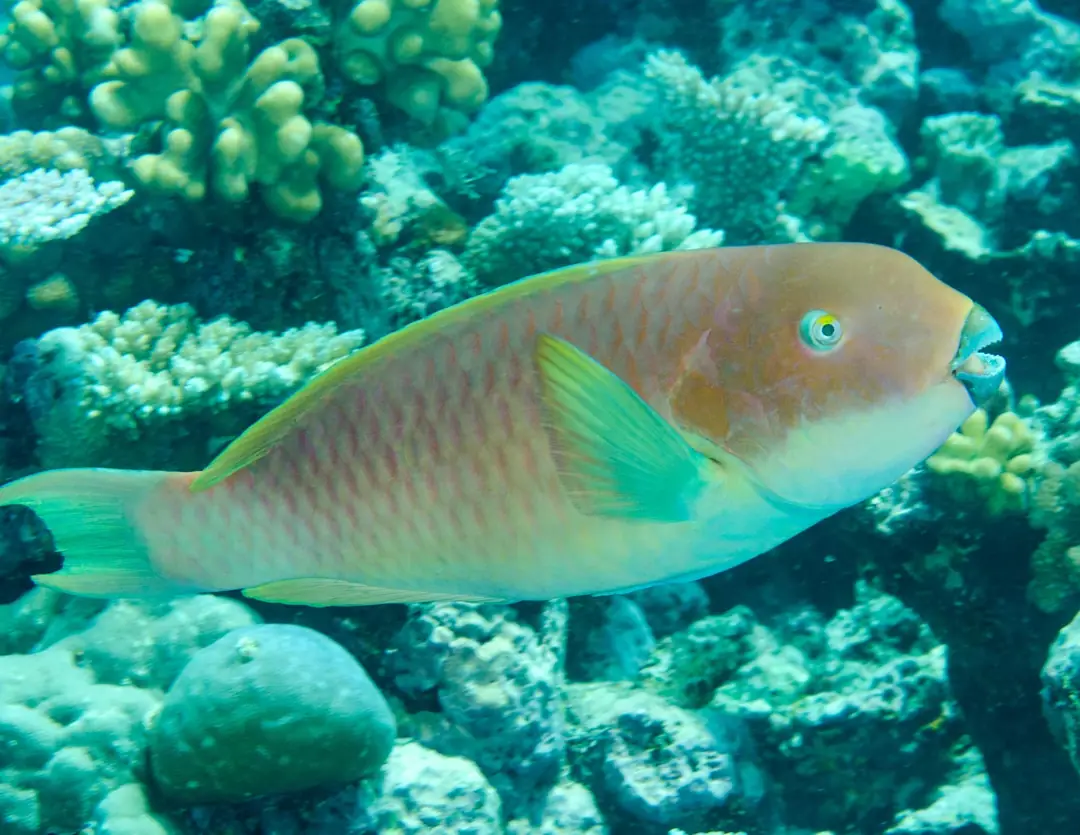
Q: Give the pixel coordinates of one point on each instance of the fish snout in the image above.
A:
(980, 373)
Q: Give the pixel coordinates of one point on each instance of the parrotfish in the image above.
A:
(592, 430)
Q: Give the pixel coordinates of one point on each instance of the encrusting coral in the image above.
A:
(230, 124)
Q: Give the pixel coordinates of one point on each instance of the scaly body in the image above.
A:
(435, 465)
(427, 468)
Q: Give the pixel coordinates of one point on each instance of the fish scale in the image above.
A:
(600, 428)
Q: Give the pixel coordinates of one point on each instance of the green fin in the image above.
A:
(319, 591)
(615, 455)
(88, 513)
(265, 433)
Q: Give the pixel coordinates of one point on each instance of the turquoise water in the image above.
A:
(204, 205)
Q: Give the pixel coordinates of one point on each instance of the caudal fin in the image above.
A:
(90, 515)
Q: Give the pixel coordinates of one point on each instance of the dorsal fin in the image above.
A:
(268, 431)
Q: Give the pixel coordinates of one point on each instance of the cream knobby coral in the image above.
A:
(58, 49)
(230, 124)
(994, 461)
(429, 54)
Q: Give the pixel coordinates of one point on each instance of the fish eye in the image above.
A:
(821, 330)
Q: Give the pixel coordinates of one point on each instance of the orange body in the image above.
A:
(424, 466)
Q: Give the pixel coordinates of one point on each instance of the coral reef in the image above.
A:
(497, 683)
(75, 706)
(422, 788)
(990, 462)
(267, 709)
(59, 48)
(174, 368)
(576, 214)
(288, 180)
(428, 54)
(650, 762)
(1061, 690)
(740, 147)
(231, 124)
(42, 206)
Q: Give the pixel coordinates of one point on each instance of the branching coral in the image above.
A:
(991, 463)
(427, 53)
(740, 147)
(412, 290)
(581, 212)
(403, 206)
(64, 149)
(230, 124)
(38, 208)
(42, 206)
(113, 388)
(141, 76)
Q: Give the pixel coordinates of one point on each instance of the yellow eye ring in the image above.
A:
(821, 330)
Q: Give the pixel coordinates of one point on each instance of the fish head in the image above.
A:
(830, 370)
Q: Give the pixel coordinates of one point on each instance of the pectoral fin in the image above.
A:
(615, 455)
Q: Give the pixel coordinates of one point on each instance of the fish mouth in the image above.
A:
(980, 373)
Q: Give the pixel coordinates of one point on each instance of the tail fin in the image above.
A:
(90, 515)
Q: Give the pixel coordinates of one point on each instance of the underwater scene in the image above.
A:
(540, 417)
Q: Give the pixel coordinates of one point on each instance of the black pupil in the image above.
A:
(828, 330)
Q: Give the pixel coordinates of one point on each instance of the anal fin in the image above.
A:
(323, 591)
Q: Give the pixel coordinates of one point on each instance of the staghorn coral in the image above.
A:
(428, 54)
(231, 124)
(59, 48)
(989, 463)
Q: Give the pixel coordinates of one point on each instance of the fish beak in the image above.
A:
(981, 374)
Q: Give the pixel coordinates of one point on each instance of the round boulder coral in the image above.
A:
(265, 710)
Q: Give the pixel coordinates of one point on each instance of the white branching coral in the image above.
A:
(47, 205)
(121, 378)
(578, 213)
